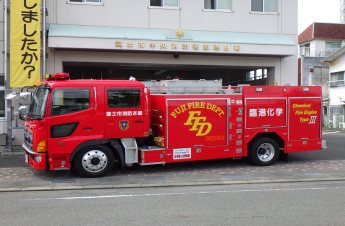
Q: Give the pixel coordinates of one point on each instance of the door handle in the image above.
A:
(139, 121)
(87, 128)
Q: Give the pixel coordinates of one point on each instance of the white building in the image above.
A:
(317, 42)
(336, 102)
(251, 41)
(321, 63)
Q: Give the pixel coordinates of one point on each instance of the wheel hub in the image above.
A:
(94, 161)
(266, 152)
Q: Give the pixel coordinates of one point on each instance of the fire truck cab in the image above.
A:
(89, 125)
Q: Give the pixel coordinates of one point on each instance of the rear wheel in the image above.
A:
(94, 161)
(263, 152)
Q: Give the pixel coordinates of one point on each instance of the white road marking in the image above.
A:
(184, 193)
(325, 133)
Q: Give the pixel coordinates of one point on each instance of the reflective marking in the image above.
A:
(185, 193)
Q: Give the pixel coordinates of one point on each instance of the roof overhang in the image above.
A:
(335, 55)
(165, 40)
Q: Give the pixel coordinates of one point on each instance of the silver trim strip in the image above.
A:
(29, 150)
(154, 163)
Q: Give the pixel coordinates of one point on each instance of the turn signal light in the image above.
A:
(41, 146)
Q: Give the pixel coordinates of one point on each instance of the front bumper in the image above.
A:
(34, 159)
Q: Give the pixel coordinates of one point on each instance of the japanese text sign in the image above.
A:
(25, 44)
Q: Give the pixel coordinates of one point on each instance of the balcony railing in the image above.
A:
(337, 83)
(306, 51)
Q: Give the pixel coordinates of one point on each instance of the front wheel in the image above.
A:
(263, 152)
(95, 161)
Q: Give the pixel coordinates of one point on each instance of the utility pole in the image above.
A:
(8, 104)
(342, 11)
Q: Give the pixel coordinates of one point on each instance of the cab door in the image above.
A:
(126, 112)
(71, 119)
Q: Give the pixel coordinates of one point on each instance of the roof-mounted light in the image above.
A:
(58, 76)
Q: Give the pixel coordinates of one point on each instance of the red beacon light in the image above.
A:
(58, 76)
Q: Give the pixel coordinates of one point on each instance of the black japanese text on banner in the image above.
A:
(25, 43)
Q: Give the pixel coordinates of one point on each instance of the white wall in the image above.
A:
(190, 15)
(337, 95)
(337, 65)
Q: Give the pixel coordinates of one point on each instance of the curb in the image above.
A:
(162, 185)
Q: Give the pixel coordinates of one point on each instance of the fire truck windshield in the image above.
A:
(38, 104)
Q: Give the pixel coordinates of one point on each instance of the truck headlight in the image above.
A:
(38, 158)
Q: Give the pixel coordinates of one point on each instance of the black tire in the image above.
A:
(94, 161)
(264, 151)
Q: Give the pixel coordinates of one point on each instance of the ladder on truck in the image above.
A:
(177, 86)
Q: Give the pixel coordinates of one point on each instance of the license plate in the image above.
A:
(26, 159)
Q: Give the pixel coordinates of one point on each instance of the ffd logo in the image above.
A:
(198, 123)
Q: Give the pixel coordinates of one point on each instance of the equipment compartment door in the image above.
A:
(304, 118)
(197, 122)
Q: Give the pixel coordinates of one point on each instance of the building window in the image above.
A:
(320, 75)
(332, 47)
(305, 50)
(337, 79)
(164, 3)
(97, 2)
(336, 110)
(264, 6)
(218, 4)
(256, 74)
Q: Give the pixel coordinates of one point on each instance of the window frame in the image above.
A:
(124, 90)
(263, 9)
(165, 7)
(85, 2)
(329, 51)
(219, 10)
(63, 89)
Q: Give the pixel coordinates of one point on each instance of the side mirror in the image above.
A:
(23, 112)
(25, 98)
(10, 96)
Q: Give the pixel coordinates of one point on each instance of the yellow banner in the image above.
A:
(25, 42)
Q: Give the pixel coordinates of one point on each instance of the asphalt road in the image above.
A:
(265, 204)
(335, 149)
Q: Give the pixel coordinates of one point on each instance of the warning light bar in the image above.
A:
(58, 76)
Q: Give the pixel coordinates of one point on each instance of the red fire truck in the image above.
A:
(89, 125)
